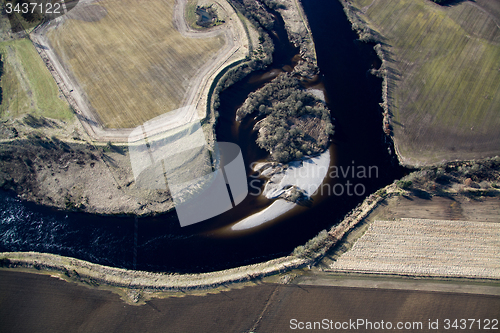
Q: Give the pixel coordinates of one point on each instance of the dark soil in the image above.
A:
(37, 303)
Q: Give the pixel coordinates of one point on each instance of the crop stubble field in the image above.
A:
(133, 64)
(444, 76)
(426, 247)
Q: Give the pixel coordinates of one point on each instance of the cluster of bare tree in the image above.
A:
(256, 12)
(296, 123)
(207, 16)
(261, 57)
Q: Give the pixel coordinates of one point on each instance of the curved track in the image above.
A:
(196, 94)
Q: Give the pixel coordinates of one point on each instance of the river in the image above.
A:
(160, 244)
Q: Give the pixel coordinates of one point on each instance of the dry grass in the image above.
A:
(118, 277)
(426, 247)
(132, 64)
(444, 77)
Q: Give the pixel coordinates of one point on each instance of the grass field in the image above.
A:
(190, 13)
(132, 64)
(27, 85)
(444, 77)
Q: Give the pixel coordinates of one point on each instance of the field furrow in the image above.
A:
(444, 65)
(426, 247)
(133, 64)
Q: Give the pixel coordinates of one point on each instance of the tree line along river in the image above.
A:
(160, 244)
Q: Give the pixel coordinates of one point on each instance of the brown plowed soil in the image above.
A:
(37, 303)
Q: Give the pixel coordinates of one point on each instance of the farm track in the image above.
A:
(196, 94)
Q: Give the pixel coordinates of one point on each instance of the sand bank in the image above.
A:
(306, 175)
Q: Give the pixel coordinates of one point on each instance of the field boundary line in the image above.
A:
(194, 95)
(396, 274)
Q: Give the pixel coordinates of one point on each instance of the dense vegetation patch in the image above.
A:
(441, 2)
(256, 12)
(259, 57)
(471, 178)
(295, 122)
(207, 17)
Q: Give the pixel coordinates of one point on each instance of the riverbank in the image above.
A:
(55, 164)
(146, 284)
(435, 108)
(470, 179)
(299, 33)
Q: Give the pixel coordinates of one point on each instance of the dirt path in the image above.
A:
(317, 278)
(196, 94)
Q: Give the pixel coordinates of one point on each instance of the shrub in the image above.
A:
(288, 107)
(312, 246)
(404, 183)
(4, 262)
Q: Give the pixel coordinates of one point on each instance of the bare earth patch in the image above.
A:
(30, 302)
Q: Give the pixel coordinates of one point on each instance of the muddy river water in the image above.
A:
(361, 162)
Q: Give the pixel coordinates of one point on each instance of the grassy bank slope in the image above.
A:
(133, 64)
(27, 85)
(443, 67)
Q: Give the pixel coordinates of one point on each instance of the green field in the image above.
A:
(133, 64)
(444, 77)
(27, 85)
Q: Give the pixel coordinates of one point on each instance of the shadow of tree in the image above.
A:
(449, 3)
(86, 119)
